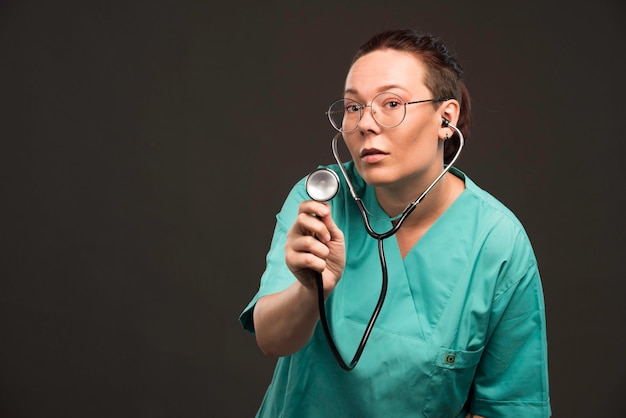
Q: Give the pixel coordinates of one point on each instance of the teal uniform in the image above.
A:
(462, 327)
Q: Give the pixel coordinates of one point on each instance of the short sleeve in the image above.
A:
(276, 277)
(512, 377)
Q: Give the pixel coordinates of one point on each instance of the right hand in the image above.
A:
(315, 245)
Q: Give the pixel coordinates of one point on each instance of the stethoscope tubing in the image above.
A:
(411, 206)
(381, 253)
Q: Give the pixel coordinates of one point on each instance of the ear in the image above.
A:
(449, 110)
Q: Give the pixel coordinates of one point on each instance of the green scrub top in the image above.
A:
(462, 327)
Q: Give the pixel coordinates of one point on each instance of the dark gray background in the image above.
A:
(147, 145)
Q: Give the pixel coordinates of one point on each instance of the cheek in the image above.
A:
(351, 143)
(423, 138)
(419, 151)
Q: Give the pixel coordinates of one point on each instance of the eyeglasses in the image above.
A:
(388, 110)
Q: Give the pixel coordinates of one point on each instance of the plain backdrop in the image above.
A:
(148, 145)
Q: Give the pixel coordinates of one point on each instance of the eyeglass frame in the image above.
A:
(363, 106)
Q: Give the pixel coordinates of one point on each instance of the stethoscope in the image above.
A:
(322, 185)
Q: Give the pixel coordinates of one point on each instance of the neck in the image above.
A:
(439, 198)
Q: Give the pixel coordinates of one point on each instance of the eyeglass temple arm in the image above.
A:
(441, 99)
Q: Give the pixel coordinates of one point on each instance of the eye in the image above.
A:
(392, 104)
(352, 108)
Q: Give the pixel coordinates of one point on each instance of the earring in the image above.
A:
(446, 137)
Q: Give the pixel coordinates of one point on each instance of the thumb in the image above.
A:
(335, 233)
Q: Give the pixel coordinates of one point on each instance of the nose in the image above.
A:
(367, 121)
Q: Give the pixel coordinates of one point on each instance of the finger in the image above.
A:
(309, 244)
(333, 230)
(308, 224)
(302, 260)
(312, 207)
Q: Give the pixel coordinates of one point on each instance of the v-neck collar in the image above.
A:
(381, 222)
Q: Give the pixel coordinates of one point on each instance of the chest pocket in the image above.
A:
(449, 386)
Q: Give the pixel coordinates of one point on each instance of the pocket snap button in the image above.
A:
(449, 359)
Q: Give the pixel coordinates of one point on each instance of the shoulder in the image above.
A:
(498, 235)
(491, 213)
(488, 203)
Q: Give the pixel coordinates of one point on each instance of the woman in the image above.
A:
(462, 329)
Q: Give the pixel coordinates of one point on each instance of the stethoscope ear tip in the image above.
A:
(322, 184)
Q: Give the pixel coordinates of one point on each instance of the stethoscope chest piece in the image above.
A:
(322, 184)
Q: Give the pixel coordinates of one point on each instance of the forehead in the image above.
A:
(380, 69)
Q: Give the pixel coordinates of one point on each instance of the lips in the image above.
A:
(371, 151)
(372, 155)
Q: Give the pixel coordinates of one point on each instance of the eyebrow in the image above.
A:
(380, 89)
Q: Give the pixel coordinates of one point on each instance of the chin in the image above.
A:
(376, 179)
